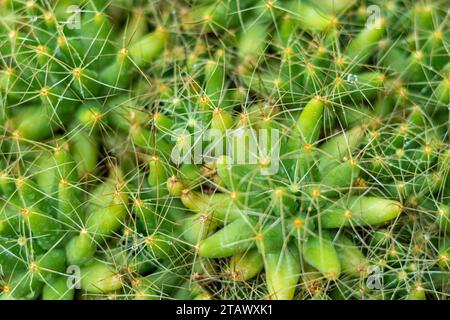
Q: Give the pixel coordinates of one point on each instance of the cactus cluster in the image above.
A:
(203, 149)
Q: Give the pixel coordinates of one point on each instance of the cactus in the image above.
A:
(245, 149)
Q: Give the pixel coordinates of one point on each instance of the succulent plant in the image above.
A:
(204, 149)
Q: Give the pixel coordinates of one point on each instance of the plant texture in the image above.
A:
(203, 149)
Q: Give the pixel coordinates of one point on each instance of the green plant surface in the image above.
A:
(252, 149)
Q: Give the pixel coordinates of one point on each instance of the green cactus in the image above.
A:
(246, 149)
